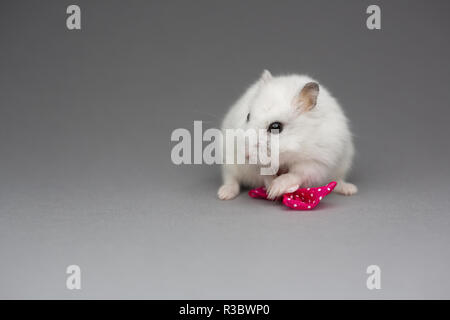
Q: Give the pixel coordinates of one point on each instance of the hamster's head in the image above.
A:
(281, 107)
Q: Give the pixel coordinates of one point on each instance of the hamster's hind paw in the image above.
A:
(346, 188)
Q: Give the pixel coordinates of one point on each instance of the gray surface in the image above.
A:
(86, 176)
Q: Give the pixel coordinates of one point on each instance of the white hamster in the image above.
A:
(315, 143)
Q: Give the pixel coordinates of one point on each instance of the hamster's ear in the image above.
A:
(266, 76)
(307, 98)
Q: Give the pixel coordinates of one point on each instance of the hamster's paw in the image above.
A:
(346, 188)
(228, 191)
(280, 186)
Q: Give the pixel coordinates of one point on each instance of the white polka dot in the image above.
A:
(320, 198)
(312, 195)
(309, 207)
(328, 188)
(308, 189)
(320, 189)
(295, 205)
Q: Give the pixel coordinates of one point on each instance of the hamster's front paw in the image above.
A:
(275, 190)
(281, 185)
(228, 191)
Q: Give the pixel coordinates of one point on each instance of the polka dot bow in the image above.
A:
(301, 199)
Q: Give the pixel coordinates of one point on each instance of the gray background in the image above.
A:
(85, 170)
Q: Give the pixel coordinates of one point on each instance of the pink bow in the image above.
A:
(301, 199)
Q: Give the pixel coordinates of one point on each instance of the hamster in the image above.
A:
(315, 142)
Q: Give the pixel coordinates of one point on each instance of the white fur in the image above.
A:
(315, 146)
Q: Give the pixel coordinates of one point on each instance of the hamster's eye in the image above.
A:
(248, 117)
(275, 126)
